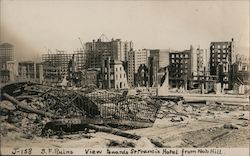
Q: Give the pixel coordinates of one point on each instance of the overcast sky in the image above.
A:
(35, 26)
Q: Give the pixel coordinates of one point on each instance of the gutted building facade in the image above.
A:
(113, 75)
(30, 70)
(183, 68)
(221, 59)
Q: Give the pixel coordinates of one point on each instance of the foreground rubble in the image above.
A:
(43, 117)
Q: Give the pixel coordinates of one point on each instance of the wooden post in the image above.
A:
(113, 131)
(19, 104)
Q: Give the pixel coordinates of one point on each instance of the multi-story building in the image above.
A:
(98, 50)
(202, 61)
(55, 65)
(6, 57)
(113, 75)
(136, 58)
(6, 54)
(182, 68)
(153, 66)
(30, 70)
(221, 58)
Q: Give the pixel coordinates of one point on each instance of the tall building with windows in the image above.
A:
(136, 58)
(8, 67)
(182, 67)
(98, 50)
(203, 61)
(221, 59)
(6, 54)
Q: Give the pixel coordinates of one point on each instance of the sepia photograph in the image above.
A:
(137, 77)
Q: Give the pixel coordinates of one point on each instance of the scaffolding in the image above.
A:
(55, 65)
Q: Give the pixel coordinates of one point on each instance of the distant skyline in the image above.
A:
(33, 27)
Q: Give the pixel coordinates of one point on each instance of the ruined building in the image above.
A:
(137, 63)
(242, 61)
(143, 67)
(182, 67)
(30, 70)
(240, 72)
(161, 55)
(153, 66)
(113, 75)
(202, 61)
(203, 79)
(110, 58)
(221, 59)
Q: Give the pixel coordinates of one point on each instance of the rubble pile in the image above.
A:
(37, 111)
(23, 124)
(177, 111)
(121, 144)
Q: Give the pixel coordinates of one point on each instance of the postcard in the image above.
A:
(138, 77)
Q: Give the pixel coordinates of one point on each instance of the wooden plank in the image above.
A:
(21, 105)
(114, 131)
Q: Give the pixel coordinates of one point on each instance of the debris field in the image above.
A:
(36, 115)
